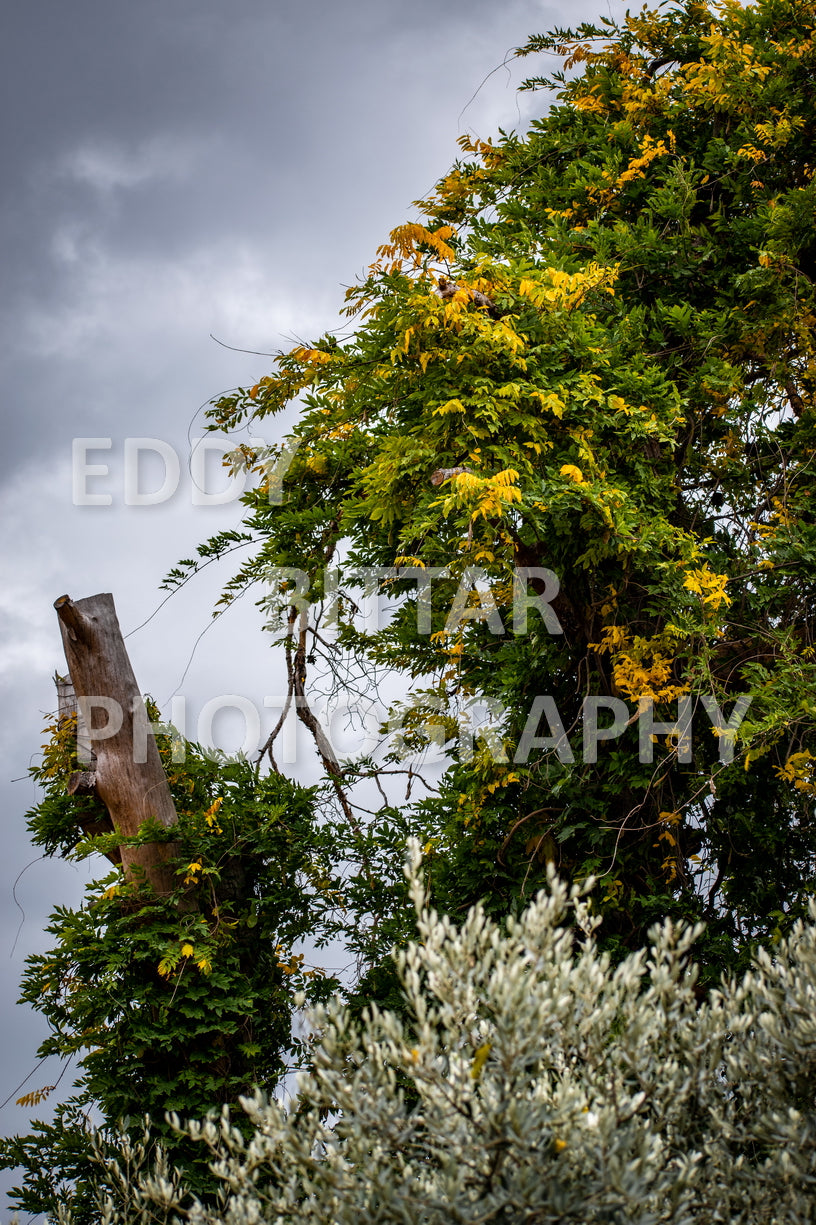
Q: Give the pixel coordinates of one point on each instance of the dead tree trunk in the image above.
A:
(121, 763)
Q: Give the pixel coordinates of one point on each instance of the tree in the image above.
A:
(586, 376)
(534, 1082)
(570, 440)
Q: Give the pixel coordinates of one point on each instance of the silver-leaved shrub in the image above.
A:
(535, 1083)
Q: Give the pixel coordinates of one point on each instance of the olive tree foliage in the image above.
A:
(531, 1081)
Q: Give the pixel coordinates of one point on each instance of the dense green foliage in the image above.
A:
(594, 355)
(179, 1003)
(584, 380)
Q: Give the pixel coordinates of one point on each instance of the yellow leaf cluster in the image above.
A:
(559, 290)
(650, 149)
(642, 668)
(293, 963)
(777, 132)
(549, 401)
(210, 816)
(638, 101)
(799, 770)
(638, 680)
(777, 520)
(792, 49)
(504, 781)
(590, 103)
(709, 586)
(614, 637)
(751, 153)
(34, 1098)
(450, 406)
(485, 497)
(711, 81)
(574, 474)
(405, 241)
(311, 357)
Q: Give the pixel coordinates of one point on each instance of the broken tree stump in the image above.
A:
(119, 755)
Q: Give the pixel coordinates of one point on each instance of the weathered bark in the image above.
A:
(122, 763)
(83, 782)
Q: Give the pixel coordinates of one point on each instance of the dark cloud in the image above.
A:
(153, 146)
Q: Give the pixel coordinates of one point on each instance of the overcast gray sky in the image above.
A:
(176, 169)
